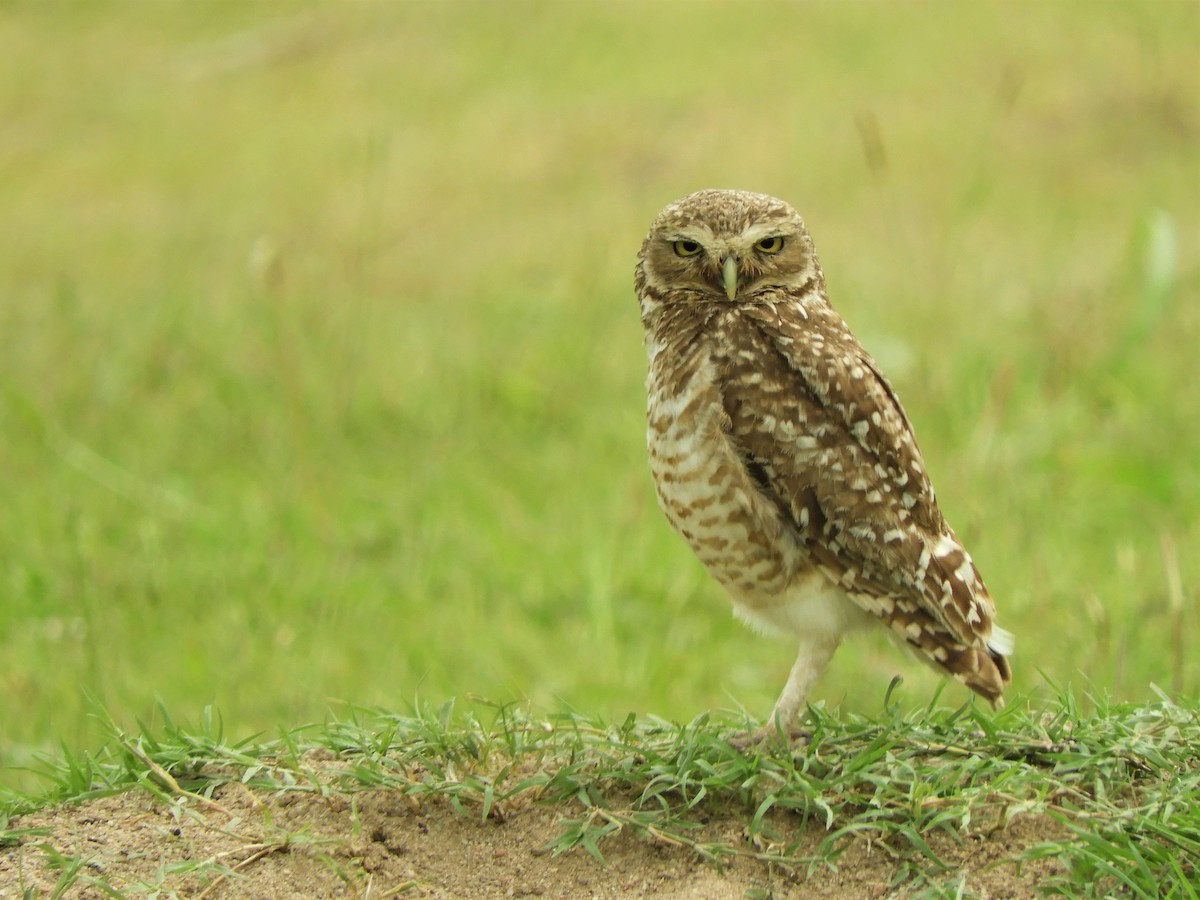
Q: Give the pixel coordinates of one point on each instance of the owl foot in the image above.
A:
(769, 736)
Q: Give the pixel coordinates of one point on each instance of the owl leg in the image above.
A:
(814, 655)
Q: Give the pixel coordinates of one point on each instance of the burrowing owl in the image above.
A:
(783, 457)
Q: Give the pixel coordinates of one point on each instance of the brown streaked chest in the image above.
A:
(703, 485)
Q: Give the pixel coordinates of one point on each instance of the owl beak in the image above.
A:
(729, 274)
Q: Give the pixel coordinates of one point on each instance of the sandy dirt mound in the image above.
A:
(380, 844)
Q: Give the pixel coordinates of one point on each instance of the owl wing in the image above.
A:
(838, 456)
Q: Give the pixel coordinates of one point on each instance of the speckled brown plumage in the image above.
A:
(783, 457)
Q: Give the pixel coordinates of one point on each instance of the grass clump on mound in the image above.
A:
(1115, 788)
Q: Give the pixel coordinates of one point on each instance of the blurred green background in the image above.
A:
(321, 370)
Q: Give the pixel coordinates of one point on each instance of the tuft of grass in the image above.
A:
(1122, 779)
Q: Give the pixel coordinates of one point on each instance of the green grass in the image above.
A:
(320, 369)
(1122, 779)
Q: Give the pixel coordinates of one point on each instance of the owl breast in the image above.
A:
(702, 484)
(708, 493)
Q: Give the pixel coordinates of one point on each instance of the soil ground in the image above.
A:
(380, 844)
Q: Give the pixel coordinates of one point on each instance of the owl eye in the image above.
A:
(769, 245)
(686, 248)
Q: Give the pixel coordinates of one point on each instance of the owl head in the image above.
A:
(728, 246)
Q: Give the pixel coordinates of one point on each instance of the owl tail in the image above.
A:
(985, 670)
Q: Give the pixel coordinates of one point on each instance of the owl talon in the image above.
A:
(769, 736)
